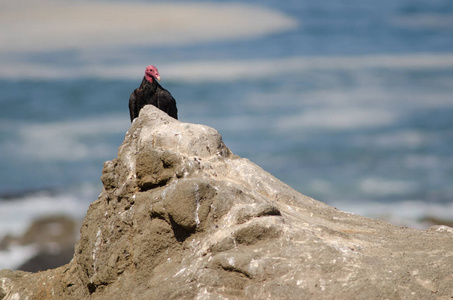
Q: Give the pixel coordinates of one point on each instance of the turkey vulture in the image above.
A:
(151, 92)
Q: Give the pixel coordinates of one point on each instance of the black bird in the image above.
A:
(151, 92)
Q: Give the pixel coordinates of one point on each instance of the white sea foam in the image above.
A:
(65, 140)
(244, 69)
(15, 255)
(44, 25)
(405, 213)
(397, 139)
(231, 70)
(383, 187)
(427, 161)
(334, 118)
(17, 214)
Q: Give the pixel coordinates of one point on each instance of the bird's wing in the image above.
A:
(133, 106)
(167, 103)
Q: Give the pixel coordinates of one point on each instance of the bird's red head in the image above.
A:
(151, 72)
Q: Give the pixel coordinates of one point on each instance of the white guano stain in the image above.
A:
(231, 261)
(97, 243)
(180, 272)
(197, 199)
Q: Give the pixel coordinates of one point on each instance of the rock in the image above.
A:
(52, 237)
(48, 259)
(436, 221)
(56, 229)
(181, 217)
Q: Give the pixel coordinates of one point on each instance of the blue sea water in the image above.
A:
(353, 107)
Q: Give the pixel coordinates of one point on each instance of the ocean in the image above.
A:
(348, 102)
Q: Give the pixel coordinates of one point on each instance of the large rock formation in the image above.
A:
(181, 217)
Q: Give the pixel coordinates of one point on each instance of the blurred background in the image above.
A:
(349, 102)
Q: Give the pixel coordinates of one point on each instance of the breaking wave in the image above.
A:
(231, 70)
(82, 25)
(69, 140)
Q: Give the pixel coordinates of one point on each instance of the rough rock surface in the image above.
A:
(181, 217)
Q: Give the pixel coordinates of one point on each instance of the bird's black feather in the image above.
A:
(152, 93)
